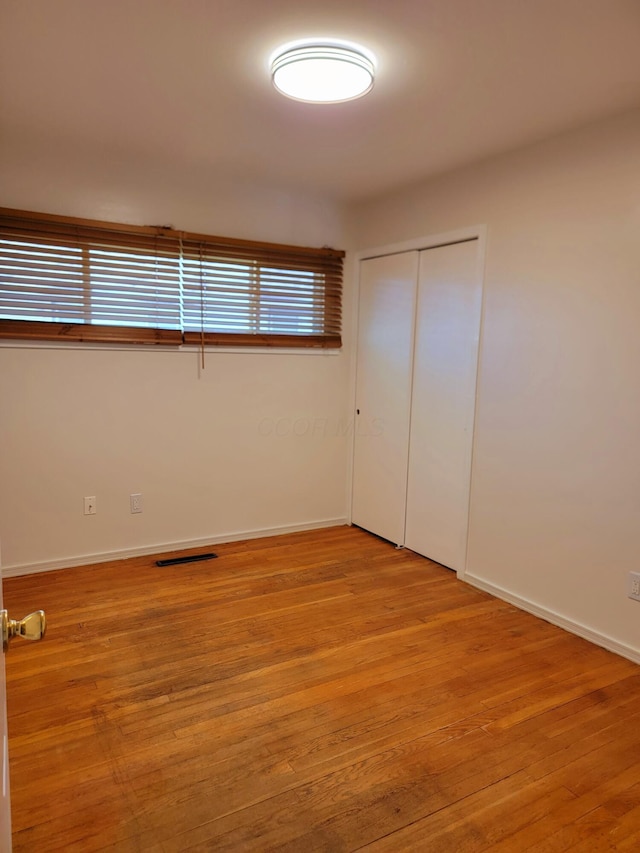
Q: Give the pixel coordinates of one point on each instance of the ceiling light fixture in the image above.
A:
(325, 71)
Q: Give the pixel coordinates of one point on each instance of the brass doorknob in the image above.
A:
(32, 627)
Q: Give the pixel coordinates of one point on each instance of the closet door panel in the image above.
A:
(443, 403)
(388, 288)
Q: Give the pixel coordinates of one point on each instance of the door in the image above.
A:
(32, 627)
(388, 288)
(5, 808)
(443, 402)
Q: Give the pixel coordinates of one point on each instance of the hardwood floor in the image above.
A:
(315, 692)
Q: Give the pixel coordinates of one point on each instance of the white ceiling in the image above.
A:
(186, 81)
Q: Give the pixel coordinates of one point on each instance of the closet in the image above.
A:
(417, 353)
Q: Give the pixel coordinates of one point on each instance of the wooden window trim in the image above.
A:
(32, 330)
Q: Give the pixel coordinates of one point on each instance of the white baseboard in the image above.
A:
(163, 547)
(556, 618)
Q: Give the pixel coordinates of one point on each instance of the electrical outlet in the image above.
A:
(90, 506)
(135, 503)
(634, 585)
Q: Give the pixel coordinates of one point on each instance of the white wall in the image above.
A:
(555, 503)
(258, 441)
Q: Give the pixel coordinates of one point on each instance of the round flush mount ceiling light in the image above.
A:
(325, 71)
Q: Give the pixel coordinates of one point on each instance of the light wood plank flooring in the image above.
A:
(314, 692)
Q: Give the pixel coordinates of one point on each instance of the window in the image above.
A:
(80, 280)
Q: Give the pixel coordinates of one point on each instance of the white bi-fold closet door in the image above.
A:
(418, 330)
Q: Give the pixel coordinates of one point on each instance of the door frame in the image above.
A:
(5, 797)
(431, 241)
